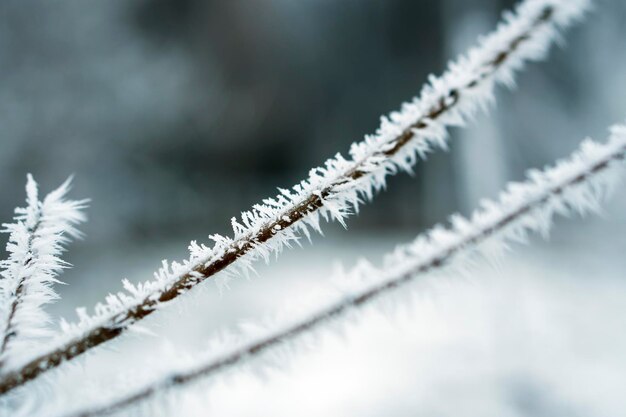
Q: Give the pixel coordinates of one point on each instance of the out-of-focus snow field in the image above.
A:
(543, 333)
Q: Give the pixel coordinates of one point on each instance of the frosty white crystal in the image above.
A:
(36, 241)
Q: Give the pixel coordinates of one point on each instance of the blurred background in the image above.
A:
(175, 115)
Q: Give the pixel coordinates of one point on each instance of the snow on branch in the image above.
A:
(333, 191)
(576, 185)
(36, 241)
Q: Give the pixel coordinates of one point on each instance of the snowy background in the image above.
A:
(176, 115)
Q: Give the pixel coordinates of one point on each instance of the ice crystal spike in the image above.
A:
(36, 241)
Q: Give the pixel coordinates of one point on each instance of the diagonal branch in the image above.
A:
(578, 184)
(332, 191)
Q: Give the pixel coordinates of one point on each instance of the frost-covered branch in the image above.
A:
(576, 185)
(36, 241)
(334, 190)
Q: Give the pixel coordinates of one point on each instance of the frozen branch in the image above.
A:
(576, 185)
(35, 244)
(334, 190)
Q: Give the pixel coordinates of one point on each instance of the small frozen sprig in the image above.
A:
(333, 191)
(578, 184)
(36, 241)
